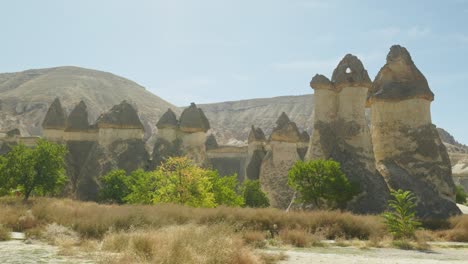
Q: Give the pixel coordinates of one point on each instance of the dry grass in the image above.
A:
(459, 229)
(254, 238)
(93, 220)
(4, 233)
(179, 245)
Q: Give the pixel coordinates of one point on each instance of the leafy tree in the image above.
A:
(401, 222)
(322, 183)
(142, 186)
(40, 169)
(115, 187)
(225, 189)
(253, 194)
(460, 194)
(4, 185)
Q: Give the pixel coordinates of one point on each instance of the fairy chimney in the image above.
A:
(54, 122)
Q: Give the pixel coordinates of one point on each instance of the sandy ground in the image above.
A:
(18, 252)
(352, 255)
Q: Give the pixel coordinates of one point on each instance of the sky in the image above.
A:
(207, 51)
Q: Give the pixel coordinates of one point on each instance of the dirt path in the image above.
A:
(350, 255)
(18, 252)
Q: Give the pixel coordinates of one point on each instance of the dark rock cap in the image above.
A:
(256, 134)
(14, 132)
(350, 72)
(305, 136)
(320, 82)
(55, 117)
(193, 120)
(285, 130)
(168, 120)
(122, 115)
(211, 142)
(78, 118)
(399, 79)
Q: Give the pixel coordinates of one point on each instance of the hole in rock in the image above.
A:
(348, 70)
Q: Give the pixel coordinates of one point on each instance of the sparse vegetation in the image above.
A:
(401, 222)
(321, 183)
(4, 233)
(460, 194)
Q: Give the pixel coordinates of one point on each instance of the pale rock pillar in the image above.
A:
(407, 147)
(193, 126)
(341, 133)
(279, 159)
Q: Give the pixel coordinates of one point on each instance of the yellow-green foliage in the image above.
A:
(4, 233)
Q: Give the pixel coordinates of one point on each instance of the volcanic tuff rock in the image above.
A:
(78, 118)
(193, 119)
(281, 156)
(168, 119)
(341, 132)
(256, 134)
(55, 117)
(211, 142)
(407, 146)
(122, 115)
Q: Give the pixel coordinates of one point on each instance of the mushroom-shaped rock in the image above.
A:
(168, 120)
(256, 134)
(122, 115)
(285, 130)
(321, 82)
(211, 142)
(399, 79)
(55, 117)
(350, 72)
(78, 118)
(193, 120)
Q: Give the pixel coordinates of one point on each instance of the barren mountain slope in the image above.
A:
(231, 121)
(25, 96)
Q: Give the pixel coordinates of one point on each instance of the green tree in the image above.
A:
(180, 181)
(253, 194)
(401, 221)
(142, 187)
(322, 183)
(225, 189)
(115, 187)
(40, 169)
(460, 194)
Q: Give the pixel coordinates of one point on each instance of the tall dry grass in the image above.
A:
(93, 220)
(180, 245)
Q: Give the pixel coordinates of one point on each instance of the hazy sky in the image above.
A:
(214, 50)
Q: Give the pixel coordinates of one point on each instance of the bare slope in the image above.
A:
(25, 96)
(231, 121)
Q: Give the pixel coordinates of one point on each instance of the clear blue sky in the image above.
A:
(219, 50)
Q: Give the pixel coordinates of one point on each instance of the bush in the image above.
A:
(115, 187)
(321, 183)
(460, 194)
(4, 233)
(253, 195)
(401, 222)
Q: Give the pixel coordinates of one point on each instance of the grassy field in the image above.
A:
(178, 234)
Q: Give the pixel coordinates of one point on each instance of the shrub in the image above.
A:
(298, 237)
(115, 187)
(4, 233)
(459, 229)
(460, 194)
(322, 183)
(225, 189)
(254, 238)
(253, 194)
(401, 222)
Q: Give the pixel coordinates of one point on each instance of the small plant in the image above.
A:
(460, 194)
(4, 233)
(401, 221)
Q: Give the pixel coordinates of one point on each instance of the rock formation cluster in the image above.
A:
(401, 149)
